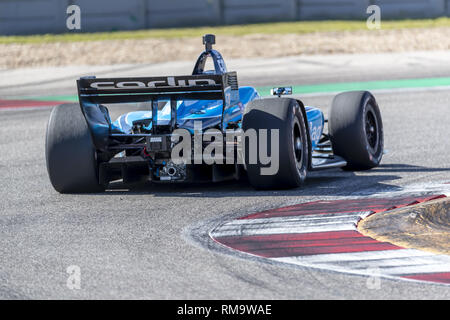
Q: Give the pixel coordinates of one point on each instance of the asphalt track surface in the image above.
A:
(149, 242)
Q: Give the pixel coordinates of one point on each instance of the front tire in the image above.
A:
(284, 115)
(70, 154)
(356, 129)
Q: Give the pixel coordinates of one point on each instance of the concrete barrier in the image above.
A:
(49, 16)
(238, 11)
(179, 13)
(24, 17)
(395, 9)
(332, 9)
(106, 15)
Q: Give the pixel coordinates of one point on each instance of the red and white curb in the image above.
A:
(324, 235)
(14, 104)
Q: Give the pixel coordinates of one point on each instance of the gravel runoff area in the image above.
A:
(154, 50)
(425, 226)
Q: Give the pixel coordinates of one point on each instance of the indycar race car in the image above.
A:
(204, 127)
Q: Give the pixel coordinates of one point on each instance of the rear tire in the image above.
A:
(70, 154)
(286, 116)
(356, 129)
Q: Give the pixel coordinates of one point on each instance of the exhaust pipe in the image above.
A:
(171, 171)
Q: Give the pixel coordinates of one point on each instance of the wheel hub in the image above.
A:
(371, 130)
(298, 146)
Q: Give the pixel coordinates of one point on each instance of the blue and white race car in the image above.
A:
(205, 127)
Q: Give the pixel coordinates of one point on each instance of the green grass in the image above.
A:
(297, 27)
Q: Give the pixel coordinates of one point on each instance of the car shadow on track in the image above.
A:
(339, 183)
(396, 167)
(324, 183)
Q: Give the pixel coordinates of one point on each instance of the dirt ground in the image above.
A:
(254, 45)
(425, 226)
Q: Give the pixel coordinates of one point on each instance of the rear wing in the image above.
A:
(93, 92)
(121, 90)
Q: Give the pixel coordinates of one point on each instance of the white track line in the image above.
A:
(395, 272)
(359, 256)
(390, 262)
(288, 225)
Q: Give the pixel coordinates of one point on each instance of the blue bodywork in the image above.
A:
(209, 112)
(139, 145)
